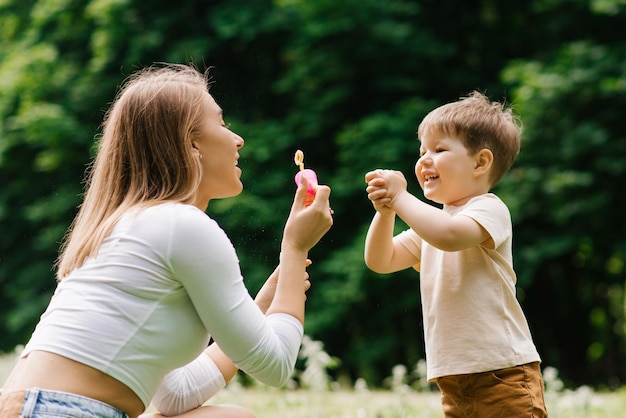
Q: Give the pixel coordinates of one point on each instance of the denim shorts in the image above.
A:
(38, 403)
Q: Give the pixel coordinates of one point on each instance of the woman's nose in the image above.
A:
(240, 141)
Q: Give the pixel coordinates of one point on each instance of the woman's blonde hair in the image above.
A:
(144, 155)
(479, 124)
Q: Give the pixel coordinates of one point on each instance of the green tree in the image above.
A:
(566, 195)
(364, 91)
(60, 64)
(44, 145)
(346, 82)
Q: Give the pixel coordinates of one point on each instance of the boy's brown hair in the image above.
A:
(479, 124)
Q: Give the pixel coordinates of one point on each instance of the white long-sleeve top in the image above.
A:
(165, 280)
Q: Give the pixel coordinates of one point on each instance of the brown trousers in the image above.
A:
(515, 392)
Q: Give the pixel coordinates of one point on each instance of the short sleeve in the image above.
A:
(413, 243)
(492, 214)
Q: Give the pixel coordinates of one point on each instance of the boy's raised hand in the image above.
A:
(382, 187)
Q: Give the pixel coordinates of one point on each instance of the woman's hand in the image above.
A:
(266, 295)
(304, 228)
(306, 225)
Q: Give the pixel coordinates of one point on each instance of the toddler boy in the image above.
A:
(479, 349)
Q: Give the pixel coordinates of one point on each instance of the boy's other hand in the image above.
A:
(383, 186)
(377, 191)
(395, 182)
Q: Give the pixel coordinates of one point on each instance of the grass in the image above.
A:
(399, 401)
(406, 403)
(268, 402)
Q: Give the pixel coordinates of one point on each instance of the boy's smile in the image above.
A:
(429, 178)
(446, 171)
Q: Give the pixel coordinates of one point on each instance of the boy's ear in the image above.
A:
(483, 161)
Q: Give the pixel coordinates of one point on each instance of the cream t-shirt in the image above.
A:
(473, 321)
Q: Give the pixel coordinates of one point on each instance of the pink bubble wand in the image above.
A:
(310, 175)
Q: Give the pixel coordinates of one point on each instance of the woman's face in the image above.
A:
(219, 150)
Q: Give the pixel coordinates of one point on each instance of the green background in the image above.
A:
(347, 82)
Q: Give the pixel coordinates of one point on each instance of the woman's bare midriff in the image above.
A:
(44, 370)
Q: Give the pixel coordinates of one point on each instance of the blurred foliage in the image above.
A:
(566, 196)
(347, 82)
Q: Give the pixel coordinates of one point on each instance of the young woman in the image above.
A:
(146, 278)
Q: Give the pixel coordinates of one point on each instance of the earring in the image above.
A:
(200, 155)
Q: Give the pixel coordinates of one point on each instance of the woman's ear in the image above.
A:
(483, 160)
(196, 149)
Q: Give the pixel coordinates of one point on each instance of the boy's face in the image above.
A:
(445, 170)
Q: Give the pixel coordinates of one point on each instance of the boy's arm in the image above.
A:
(438, 228)
(382, 253)
(433, 225)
